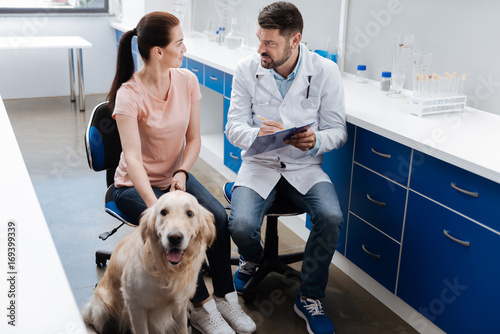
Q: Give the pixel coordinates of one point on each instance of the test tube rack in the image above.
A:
(421, 106)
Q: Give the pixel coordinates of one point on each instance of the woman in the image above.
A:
(157, 110)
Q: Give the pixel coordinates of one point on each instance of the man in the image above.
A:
(285, 85)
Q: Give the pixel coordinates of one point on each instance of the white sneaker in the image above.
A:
(208, 320)
(230, 309)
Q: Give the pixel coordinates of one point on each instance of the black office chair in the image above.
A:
(103, 146)
(271, 260)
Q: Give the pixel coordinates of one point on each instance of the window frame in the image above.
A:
(55, 10)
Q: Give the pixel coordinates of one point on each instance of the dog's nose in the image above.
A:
(175, 238)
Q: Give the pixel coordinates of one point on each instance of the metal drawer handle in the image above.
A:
(470, 193)
(195, 70)
(213, 78)
(388, 156)
(370, 253)
(465, 243)
(374, 201)
(233, 156)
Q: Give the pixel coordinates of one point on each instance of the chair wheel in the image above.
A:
(101, 257)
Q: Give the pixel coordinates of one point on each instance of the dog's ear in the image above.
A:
(207, 228)
(147, 223)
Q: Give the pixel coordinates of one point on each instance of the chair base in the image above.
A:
(270, 262)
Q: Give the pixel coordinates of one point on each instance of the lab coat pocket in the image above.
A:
(307, 109)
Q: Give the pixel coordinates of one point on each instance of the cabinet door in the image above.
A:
(232, 154)
(383, 155)
(378, 200)
(456, 286)
(468, 193)
(214, 79)
(373, 252)
(228, 85)
(197, 68)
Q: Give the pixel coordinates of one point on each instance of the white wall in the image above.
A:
(321, 17)
(461, 34)
(41, 73)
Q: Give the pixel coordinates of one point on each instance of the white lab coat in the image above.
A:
(261, 172)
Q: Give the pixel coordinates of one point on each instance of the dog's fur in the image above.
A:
(152, 273)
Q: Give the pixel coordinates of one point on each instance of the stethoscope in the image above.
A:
(306, 103)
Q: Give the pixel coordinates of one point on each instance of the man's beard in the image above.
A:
(275, 64)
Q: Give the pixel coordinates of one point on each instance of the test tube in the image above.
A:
(439, 86)
(461, 85)
(417, 90)
(432, 85)
(426, 85)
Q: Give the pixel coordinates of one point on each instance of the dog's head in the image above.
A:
(175, 223)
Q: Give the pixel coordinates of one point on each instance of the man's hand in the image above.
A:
(303, 140)
(269, 127)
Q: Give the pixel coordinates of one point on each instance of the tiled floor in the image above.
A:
(50, 133)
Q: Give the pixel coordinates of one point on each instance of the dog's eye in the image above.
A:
(163, 212)
(190, 213)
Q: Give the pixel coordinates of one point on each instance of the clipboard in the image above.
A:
(274, 141)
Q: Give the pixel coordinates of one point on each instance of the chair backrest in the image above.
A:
(102, 141)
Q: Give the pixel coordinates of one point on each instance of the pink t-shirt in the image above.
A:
(162, 125)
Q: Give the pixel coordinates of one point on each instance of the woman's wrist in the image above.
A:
(181, 171)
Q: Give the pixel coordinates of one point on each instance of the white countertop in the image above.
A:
(43, 42)
(470, 140)
(44, 302)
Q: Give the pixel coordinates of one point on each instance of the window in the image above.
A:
(53, 6)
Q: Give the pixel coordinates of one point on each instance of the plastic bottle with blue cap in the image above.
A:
(385, 83)
(361, 74)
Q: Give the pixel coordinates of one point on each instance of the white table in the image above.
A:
(55, 42)
(41, 295)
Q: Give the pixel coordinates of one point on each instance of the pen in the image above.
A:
(265, 119)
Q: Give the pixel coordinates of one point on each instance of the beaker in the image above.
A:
(401, 55)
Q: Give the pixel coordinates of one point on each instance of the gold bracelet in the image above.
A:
(181, 171)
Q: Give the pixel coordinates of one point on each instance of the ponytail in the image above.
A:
(125, 66)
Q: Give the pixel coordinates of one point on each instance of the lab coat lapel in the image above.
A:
(266, 79)
(301, 82)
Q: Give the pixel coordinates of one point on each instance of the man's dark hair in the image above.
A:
(283, 16)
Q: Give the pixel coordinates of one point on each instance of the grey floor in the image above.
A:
(50, 133)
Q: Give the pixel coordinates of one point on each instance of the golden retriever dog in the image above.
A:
(152, 273)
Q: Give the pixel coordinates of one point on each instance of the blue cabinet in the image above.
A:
(228, 85)
(197, 68)
(379, 201)
(470, 194)
(384, 156)
(337, 164)
(214, 79)
(232, 154)
(373, 252)
(450, 270)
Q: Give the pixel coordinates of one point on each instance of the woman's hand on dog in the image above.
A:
(178, 182)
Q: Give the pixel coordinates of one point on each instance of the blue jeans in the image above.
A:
(321, 203)
(130, 203)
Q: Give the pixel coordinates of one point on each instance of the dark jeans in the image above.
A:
(130, 203)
